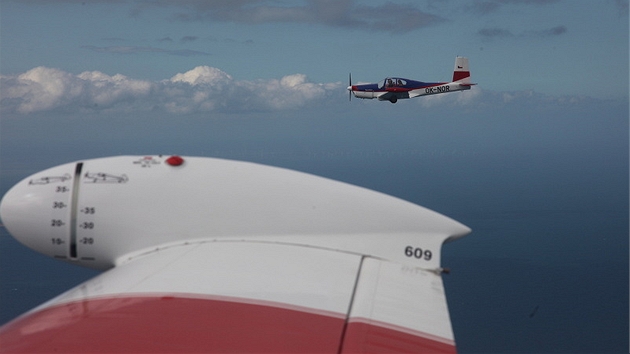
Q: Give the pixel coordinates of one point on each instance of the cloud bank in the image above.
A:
(202, 89)
(486, 7)
(207, 89)
(388, 17)
(497, 32)
(137, 50)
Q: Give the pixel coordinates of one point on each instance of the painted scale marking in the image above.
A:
(82, 235)
(53, 213)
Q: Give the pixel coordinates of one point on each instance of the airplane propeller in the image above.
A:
(350, 87)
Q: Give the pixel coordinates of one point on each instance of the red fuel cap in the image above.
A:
(175, 160)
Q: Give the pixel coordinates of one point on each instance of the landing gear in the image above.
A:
(393, 99)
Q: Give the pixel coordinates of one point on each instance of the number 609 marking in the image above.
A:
(418, 253)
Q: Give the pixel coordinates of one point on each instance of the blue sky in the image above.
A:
(557, 48)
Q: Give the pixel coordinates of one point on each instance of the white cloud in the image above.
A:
(293, 89)
(42, 89)
(106, 90)
(202, 89)
(203, 75)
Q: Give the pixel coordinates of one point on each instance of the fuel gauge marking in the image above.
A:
(73, 210)
(49, 179)
(101, 177)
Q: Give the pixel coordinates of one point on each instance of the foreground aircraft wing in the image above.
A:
(244, 297)
(210, 255)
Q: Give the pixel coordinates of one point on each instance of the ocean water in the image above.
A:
(545, 269)
(545, 192)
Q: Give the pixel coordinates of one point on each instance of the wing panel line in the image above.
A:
(347, 319)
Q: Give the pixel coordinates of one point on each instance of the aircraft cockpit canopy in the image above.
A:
(392, 82)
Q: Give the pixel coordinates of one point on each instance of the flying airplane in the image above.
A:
(394, 88)
(212, 255)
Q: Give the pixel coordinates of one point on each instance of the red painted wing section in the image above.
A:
(175, 324)
(170, 324)
(364, 337)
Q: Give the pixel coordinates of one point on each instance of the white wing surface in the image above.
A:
(209, 255)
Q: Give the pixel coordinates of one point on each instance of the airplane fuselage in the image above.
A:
(394, 88)
(410, 89)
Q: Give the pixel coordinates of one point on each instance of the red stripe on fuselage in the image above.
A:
(181, 324)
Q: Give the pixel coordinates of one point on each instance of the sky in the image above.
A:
(194, 56)
(534, 158)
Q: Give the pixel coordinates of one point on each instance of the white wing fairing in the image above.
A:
(214, 255)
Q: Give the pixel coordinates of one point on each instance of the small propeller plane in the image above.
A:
(394, 88)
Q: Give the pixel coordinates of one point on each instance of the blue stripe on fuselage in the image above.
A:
(408, 86)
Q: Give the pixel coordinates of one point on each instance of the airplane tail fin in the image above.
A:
(461, 73)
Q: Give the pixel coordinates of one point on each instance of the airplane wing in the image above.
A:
(209, 255)
(417, 93)
(393, 94)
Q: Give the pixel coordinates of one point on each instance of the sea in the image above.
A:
(545, 269)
